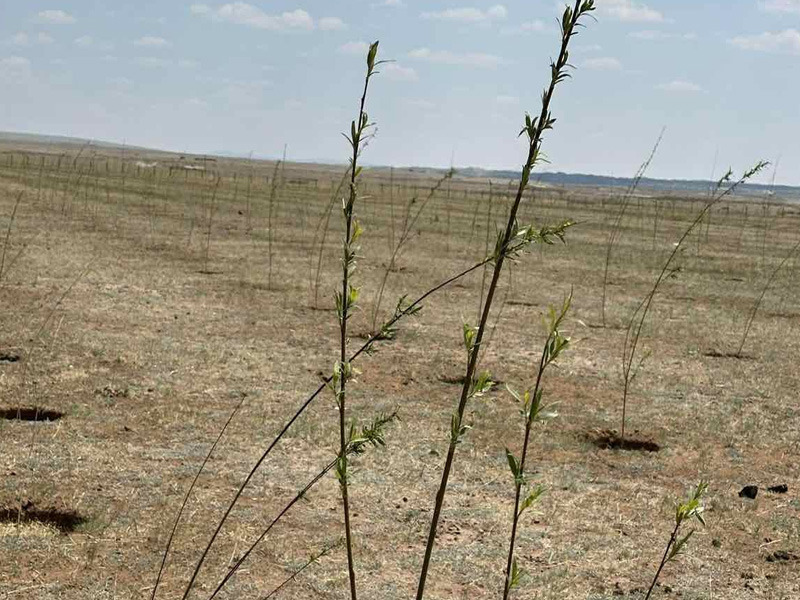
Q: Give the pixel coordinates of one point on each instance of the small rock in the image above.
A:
(749, 491)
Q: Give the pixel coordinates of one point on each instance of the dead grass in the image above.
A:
(147, 355)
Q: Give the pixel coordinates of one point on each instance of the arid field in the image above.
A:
(141, 301)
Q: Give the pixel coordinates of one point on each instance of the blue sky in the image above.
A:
(723, 78)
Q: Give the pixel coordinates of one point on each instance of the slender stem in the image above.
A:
(761, 298)
(535, 141)
(293, 576)
(663, 559)
(408, 225)
(347, 264)
(613, 236)
(634, 330)
(270, 234)
(8, 233)
(189, 493)
(519, 481)
(232, 571)
(323, 225)
(365, 348)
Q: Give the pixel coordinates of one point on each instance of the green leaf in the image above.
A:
(513, 464)
(516, 575)
(677, 547)
(481, 384)
(457, 429)
(469, 333)
(373, 52)
(532, 497)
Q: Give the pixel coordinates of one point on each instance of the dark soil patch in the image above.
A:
(210, 272)
(65, 520)
(782, 556)
(8, 358)
(609, 440)
(778, 489)
(29, 414)
(718, 354)
(521, 303)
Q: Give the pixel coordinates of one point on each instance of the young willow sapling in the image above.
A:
(532, 411)
(346, 301)
(633, 331)
(685, 511)
(534, 129)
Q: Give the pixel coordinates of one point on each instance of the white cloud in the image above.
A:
(331, 24)
(602, 63)
(150, 41)
(588, 48)
(787, 41)
(20, 39)
(420, 103)
(680, 86)
(631, 11)
(469, 59)
(55, 17)
(151, 62)
(781, 6)
(504, 100)
(395, 3)
(23, 39)
(186, 63)
(354, 48)
(14, 69)
(398, 72)
(241, 13)
(535, 26)
(468, 15)
(197, 103)
(120, 83)
(655, 35)
(85, 41)
(15, 62)
(526, 27)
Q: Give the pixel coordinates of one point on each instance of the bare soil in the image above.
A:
(139, 306)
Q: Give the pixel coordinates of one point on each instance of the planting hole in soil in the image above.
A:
(64, 520)
(29, 414)
(717, 354)
(609, 440)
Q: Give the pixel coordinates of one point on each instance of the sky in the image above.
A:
(722, 78)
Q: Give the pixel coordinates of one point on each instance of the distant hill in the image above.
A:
(60, 140)
(554, 179)
(673, 185)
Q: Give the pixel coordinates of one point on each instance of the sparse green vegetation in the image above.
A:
(184, 437)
